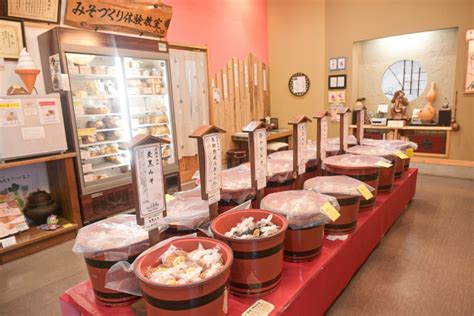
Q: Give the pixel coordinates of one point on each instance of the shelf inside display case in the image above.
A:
(102, 143)
(93, 76)
(108, 165)
(93, 115)
(96, 97)
(121, 152)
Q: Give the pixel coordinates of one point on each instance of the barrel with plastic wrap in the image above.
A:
(104, 243)
(236, 188)
(344, 189)
(186, 213)
(257, 241)
(302, 209)
(187, 276)
(402, 145)
(351, 140)
(280, 177)
(311, 164)
(360, 167)
(386, 174)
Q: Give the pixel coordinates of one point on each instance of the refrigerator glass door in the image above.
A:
(149, 101)
(101, 122)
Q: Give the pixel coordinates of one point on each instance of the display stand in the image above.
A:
(211, 194)
(300, 135)
(360, 119)
(257, 152)
(63, 187)
(343, 129)
(306, 288)
(321, 138)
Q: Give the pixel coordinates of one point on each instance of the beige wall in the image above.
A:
(296, 44)
(299, 31)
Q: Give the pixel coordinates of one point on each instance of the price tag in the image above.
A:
(151, 221)
(86, 131)
(409, 152)
(85, 154)
(384, 164)
(162, 47)
(365, 192)
(87, 167)
(214, 197)
(67, 225)
(169, 197)
(89, 177)
(259, 308)
(400, 155)
(330, 211)
(8, 242)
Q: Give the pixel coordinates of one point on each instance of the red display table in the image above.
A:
(306, 288)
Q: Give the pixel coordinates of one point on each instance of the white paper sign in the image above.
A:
(216, 95)
(214, 197)
(87, 167)
(299, 84)
(260, 150)
(236, 75)
(246, 76)
(48, 111)
(361, 126)
(149, 173)
(224, 85)
(31, 133)
(345, 128)
(255, 74)
(324, 136)
(302, 144)
(30, 108)
(212, 155)
(11, 113)
(151, 221)
(8, 242)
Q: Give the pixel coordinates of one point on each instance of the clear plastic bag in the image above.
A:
(280, 170)
(394, 143)
(380, 151)
(117, 238)
(353, 161)
(121, 276)
(335, 185)
(288, 155)
(187, 211)
(301, 208)
(351, 140)
(236, 185)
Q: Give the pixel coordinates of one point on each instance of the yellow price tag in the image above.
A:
(409, 152)
(330, 211)
(400, 155)
(9, 105)
(384, 164)
(86, 131)
(169, 198)
(67, 225)
(365, 192)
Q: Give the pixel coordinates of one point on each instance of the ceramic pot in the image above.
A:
(428, 112)
(207, 297)
(258, 263)
(303, 244)
(349, 210)
(40, 205)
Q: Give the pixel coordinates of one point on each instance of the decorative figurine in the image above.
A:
(399, 108)
(428, 113)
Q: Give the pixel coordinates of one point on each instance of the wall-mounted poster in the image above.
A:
(35, 10)
(337, 82)
(12, 38)
(469, 88)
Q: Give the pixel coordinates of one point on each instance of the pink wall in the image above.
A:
(230, 28)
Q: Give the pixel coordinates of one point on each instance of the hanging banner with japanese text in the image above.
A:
(120, 16)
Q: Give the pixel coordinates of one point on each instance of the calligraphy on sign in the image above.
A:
(361, 126)
(324, 136)
(149, 177)
(260, 152)
(212, 152)
(345, 128)
(130, 17)
(302, 140)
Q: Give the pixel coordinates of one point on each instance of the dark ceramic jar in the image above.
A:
(40, 205)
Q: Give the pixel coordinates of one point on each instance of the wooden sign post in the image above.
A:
(210, 164)
(360, 116)
(300, 143)
(343, 129)
(258, 157)
(147, 177)
(321, 138)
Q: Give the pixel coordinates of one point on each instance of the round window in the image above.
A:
(406, 75)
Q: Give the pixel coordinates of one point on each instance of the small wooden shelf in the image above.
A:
(34, 240)
(35, 160)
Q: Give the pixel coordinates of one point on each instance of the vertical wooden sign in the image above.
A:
(360, 117)
(147, 177)
(210, 164)
(343, 129)
(258, 157)
(321, 137)
(300, 143)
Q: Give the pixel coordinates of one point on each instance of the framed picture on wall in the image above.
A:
(337, 82)
(469, 85)
(12, 38)
(341, 63)
(332, 64)
(43, 11)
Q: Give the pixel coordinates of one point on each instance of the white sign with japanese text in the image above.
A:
(324, 136)
(260, 151)
(361, 126)
(345, 128)
(213, 161)
(302, 143)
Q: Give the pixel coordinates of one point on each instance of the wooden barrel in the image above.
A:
(387, 176)
(273, 187)
(349, 210)
(303, 244)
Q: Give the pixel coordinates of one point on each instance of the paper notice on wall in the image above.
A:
(246, 76)
(264, 74)
(260, 152)
(149, 179)
(236, 75)
(216, 95)
(324, 136)
(345, 128)
(30, 107)
(255, 74)
(299, 84)
(302, 144)
(213, 160)
(31, 133)
(224, 86)
(11, 113)
(48, 111)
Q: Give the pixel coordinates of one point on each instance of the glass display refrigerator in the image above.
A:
(112, 88)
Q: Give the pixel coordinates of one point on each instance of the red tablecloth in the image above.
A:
(306, 288)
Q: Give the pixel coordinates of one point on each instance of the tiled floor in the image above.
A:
(423, 266)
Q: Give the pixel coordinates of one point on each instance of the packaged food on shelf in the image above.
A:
(112, 122)
(97, 110)
(95, 124)
(88, 139)
(100, 137)
(306, 219)
(113, 135)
